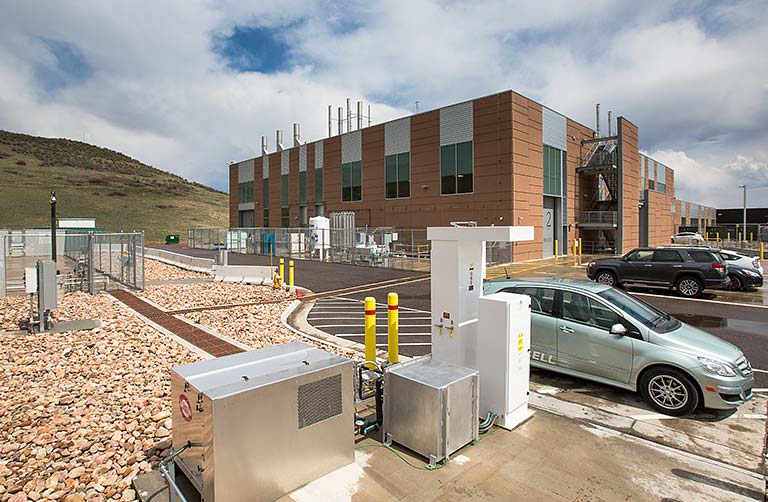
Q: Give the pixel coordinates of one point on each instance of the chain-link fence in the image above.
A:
(89, 262)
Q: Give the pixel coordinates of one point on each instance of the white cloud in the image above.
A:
(691, 75)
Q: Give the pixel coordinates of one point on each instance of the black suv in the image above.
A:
(689, 270)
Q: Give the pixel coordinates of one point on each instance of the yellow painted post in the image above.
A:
(762, 251)
(393, 326)
(556, 250)
(728, 236)
(717, 237)
(581, 249)
(281, 269)
(751, 235)
(370, 328)
(739, 236)
(290, 273)
(575, 250)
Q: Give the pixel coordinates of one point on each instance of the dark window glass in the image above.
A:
(583, 309)
(552, 170)
(404, 174)
(284, 192)
(703, 256)
(285, 217)
(265, 192)
(265, 221)
(448, 169)
(351, 181)
(391, 176)
(667, 255)
(318, 185)
(464, 181)
(302, 187)
(643, 255)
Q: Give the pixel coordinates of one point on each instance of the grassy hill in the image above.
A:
(120, 192)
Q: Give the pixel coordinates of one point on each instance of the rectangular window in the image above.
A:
(265, 192)
(398, 175)
(661, 187)
(456, 169)
(285, 217)
(352, 181)
(245, 192)
(265, 219)
(284, 193)
(318, 185)
(302, 188)
(552, 171)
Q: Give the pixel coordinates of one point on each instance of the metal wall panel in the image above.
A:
(553, 127)
(456, 123)
(302, 158)
(265, 167)
(397, 136)
(285, 159)
(319, 155)
(245, 171)
(352, 147)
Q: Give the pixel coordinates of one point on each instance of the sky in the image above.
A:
(188, 86)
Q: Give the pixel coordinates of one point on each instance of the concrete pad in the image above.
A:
(76, 325)
(548, 458)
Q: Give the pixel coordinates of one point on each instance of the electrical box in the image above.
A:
(431, 407)
(262, 423)
(46, 285)
(503, 356)
(30, 280)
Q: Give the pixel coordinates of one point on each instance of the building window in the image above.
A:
(398, 175)
(285, 217)
(302, 187)
(245, 192)
(265, 201)
(456, 168)
(553, 184)
(318, 185)
(352, 181)
(284, 193)
(265, 219)
(661, 187)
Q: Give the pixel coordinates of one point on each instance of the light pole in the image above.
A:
(53, 226)
(744, 219)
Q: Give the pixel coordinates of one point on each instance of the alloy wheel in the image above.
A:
(605, 278)
(688, 287)
(668, 392)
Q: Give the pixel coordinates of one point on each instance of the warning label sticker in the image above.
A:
(185, 408)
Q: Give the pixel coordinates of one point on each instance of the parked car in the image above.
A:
(601, 333)
(689, 270)
(688, 239)
(743, 278)
(741, 260)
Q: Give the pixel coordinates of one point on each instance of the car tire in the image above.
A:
(606, 277)
(735, 283)
(669, 391)
(689, 286)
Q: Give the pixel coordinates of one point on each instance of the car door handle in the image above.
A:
(648, 264)
(677, 266)
(566, 329)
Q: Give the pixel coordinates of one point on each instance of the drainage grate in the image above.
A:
(319, 400)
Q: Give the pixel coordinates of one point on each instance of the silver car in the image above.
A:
(688, 239)
(600, 333)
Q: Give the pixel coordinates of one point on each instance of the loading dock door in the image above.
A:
(549, 225)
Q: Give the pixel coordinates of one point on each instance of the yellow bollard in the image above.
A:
(575, 250)
(762, 251)
(717, 237)
(581, 249)
(370, 328)
(556, 250)
(739, 236)
(290, 273)
(393, 326)
(751, 235)
(728, 236)
(281, 269)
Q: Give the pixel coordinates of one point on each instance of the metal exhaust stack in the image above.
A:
(597, 119)
(279, 140)
(296, 134)
(341, 120)
(330, 115)
(369, 115)
(349, 116)
(359, 114)
(264, 145)
(609, 122)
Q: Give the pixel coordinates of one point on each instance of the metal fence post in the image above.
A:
(91, 283)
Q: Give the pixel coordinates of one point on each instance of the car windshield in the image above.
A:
(647, 314)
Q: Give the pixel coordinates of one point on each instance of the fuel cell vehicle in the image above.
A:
(600, 333)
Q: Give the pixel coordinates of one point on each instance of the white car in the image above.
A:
(740, 260)
(688, 239)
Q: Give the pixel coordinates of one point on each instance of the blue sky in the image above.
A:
(188, 86)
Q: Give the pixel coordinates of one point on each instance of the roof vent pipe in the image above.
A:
(597, 119)
(349, 116)
(359, 114)
(264, 145)
(609, 122)
(369, 115)
(341, 120)
(279, 140)
(296, 134)
(330, 119)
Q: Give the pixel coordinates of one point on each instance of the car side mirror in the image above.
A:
(618, 329)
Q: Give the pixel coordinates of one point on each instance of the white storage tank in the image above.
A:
(320, 232)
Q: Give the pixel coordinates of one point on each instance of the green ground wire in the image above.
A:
(438, 466)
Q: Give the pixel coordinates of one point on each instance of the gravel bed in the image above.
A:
(83, 412)
(15, 309)
(158, 271)
(181, 296)
(258, 326)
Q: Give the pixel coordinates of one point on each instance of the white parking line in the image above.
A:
(382, 334)
(659, 416)
(701, 300)
(759, 390)
(360, 318)
(363, 325)
(406, 344)
(355, 300)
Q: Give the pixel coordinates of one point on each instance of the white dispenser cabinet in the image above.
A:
(503, 357)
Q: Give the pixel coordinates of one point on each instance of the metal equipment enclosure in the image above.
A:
(262, 423)
(431, 407)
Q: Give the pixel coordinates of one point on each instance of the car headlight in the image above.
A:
(590, 264)
(717, 367)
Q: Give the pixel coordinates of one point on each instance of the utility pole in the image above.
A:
(53, 226)
(744, 219)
